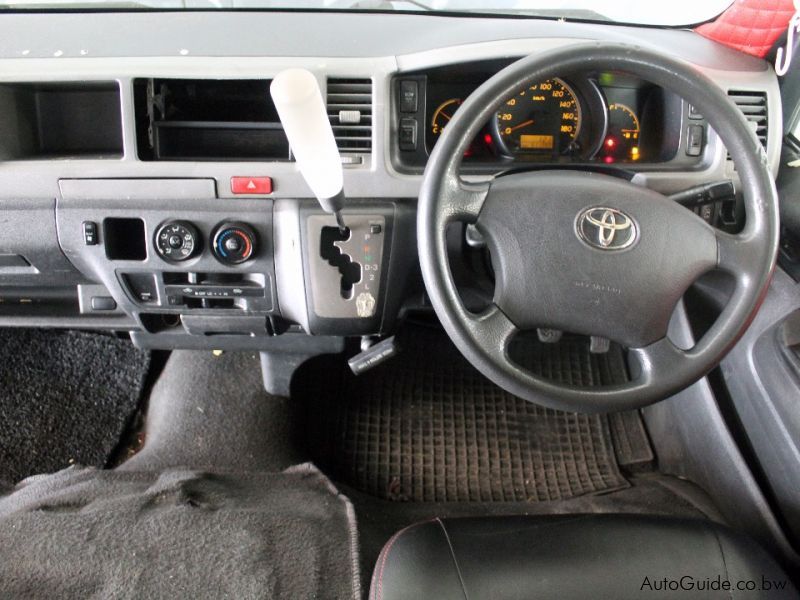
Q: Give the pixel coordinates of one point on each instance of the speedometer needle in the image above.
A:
(525, 124)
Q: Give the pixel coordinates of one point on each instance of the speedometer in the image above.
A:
(543, 118)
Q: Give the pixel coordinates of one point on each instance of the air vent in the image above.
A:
(754, 107)
(350, 113)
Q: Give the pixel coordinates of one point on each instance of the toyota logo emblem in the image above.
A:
(606, 228)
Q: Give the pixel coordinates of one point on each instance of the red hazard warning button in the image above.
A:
(251, 185)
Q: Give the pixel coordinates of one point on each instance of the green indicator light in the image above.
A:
(606, 79)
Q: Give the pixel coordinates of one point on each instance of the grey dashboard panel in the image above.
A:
(137, 189)
(762, 374)
(29, 250)
(68, 47)
(320, 34)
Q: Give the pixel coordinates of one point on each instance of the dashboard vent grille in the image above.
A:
(753, 105)
(350, 113)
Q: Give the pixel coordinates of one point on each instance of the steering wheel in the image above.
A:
(592, 254)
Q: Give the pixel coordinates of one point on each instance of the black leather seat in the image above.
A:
(564, 557)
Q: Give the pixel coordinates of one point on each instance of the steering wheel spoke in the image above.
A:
(654, 362)
(737, 255)
(466, 198)
(492, 328)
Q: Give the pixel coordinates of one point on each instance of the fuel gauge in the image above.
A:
(622, 138)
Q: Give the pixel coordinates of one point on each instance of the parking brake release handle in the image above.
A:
(298, 100)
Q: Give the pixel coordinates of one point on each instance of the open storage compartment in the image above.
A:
(207, 120)
(60, 120)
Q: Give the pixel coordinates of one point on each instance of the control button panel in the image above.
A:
(90, 233)
(234, 243)
(176, 241)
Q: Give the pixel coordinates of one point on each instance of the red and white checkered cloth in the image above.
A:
(752, 26)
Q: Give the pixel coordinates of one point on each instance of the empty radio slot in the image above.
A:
(207, 119)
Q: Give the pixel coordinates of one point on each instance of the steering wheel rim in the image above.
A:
(662, 368)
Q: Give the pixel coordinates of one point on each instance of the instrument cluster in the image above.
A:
(602, 118)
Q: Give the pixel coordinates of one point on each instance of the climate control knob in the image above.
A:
(234, 243)
(177, 241)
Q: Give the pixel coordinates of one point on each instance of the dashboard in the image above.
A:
(147, 186)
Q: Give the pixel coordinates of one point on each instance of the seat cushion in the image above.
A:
(591, 556)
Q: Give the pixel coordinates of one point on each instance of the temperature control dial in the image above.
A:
(234, 243)
(177, 241)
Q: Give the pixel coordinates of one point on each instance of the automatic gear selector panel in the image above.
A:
(345, 267)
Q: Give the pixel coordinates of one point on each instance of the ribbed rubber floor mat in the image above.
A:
(426, 426)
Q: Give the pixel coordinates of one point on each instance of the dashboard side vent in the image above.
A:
(350, 113)
(753, 105)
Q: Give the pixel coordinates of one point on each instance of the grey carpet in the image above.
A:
(83, 533)
(65, 397)
(211, 412)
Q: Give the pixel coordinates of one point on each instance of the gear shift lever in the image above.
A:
(298, 99)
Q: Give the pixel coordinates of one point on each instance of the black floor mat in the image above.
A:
(65, 397)
(427, 427)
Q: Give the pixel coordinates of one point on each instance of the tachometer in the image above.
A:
(544, 118)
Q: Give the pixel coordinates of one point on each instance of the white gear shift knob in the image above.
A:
(299, 103)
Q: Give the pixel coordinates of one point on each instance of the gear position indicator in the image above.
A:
(345, 267)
